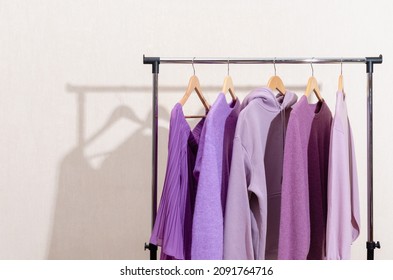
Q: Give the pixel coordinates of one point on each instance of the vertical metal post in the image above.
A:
(155, 66)
(155, 147)
(155, 70)
(371, 244)
(370, 206)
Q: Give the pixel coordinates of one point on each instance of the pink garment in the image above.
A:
(343, 221)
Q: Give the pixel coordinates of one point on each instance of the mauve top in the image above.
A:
(343, 220)
(304, 186)
(173, 225)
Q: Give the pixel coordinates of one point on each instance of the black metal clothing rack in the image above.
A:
(155, 62)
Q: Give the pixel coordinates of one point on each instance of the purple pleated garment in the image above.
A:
(173, 225)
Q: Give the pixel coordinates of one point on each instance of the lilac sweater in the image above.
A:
(304, 186)
(343, 221)
(212, 166)
(253, 202)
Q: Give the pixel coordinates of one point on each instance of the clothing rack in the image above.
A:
(155, 62)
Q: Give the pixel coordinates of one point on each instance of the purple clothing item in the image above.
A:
(343, 220)
(229, 134)
(318, 166)
(253, 201)
(303, 199)
(172, 228)
(211, 165)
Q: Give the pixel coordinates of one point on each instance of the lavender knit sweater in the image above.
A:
(211, 167)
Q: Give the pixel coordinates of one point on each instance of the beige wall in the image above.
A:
(75, 177)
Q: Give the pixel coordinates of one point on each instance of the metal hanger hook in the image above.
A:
(228, 66)
(312, 68)
(274, 64)
(341, 66)
(193, 67)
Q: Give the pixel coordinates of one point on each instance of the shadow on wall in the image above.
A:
(104, 213)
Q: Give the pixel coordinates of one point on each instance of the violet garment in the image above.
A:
(173, 225)
(212, 166)
(304, 186)
(318, 166)
(253, 201)
(343, 220)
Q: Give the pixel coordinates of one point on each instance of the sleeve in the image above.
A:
(355, 220)
(237, 223)
(294, 234)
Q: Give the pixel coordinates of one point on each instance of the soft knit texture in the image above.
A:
(253, 201)
(343, 221)
(212, 166)
(318, 166)
(303, 200)
(173, 224)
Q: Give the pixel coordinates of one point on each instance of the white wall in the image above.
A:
(75, 185)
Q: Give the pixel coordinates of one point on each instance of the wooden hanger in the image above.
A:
(340, 80)
(228, 86)
(340, 84)
(275, 82)
(194, 85)
(312, 86)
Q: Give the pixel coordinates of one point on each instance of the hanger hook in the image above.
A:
(228, 66)
(193, 67)
(312, 68)
(274, 64)
(341, 66)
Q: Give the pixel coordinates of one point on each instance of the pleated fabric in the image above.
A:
(173, 224)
